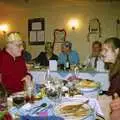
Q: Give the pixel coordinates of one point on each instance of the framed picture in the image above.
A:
(36, 31)
(59, 35)
(59, 38)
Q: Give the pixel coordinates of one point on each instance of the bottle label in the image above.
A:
(67, 64)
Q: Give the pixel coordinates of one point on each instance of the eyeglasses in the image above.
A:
(19, 45)
(67, 46)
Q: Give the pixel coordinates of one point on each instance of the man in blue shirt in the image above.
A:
(68, 53)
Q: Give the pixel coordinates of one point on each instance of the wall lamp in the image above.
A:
(4, 28)
(73, 24)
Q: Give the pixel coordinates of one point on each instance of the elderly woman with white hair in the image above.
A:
(12, 64)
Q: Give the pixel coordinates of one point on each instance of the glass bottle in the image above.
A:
(67, 64)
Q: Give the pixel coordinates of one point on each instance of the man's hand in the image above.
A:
(27, 78)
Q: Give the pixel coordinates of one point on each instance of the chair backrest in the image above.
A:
(59, 38)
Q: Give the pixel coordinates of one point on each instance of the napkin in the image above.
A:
(95, 104)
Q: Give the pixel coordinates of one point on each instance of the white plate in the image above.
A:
(18, 93)
(88, 89)
(77, 98)
(72, 117)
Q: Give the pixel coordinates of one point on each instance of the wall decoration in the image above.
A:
(59, 38)
(36, 31)
(59, 35)
(94, 29)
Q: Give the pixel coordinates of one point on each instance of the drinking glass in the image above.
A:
(29, 91)
(54, 92)
(92, 104)
(3, 97)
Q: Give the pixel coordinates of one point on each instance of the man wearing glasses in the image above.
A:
(12, 64)
(67, 54)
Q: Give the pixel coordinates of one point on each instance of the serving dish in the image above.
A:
(87, 85)
(73, 110)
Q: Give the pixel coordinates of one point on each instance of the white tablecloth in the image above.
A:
(102, 77)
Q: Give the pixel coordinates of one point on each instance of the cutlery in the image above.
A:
(36, 108)
(44, 109)
(100, 116)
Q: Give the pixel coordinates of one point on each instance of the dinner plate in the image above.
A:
(19, 93)
(88, 85)
(73, 111)
(77, 98)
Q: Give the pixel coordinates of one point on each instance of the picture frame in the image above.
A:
(36, 31)
(59, 38)
(59, 35)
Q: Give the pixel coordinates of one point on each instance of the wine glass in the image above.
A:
(29, 91)
(54, 92)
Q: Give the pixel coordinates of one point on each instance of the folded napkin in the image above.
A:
(30, 110)
(95, 105)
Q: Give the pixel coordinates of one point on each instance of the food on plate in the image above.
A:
(76, 110)
(88, 84)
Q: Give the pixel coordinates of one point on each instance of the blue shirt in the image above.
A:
(73, 58)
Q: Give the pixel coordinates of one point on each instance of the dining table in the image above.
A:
(39, 76)
(100, 104)
(27, 111)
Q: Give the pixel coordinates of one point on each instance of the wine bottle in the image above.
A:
(67, 64)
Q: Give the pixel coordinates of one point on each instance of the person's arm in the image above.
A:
(55, 57)
(60, 59)
(38, 58)
(78, 58)
(75, 58)
(27, 75)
